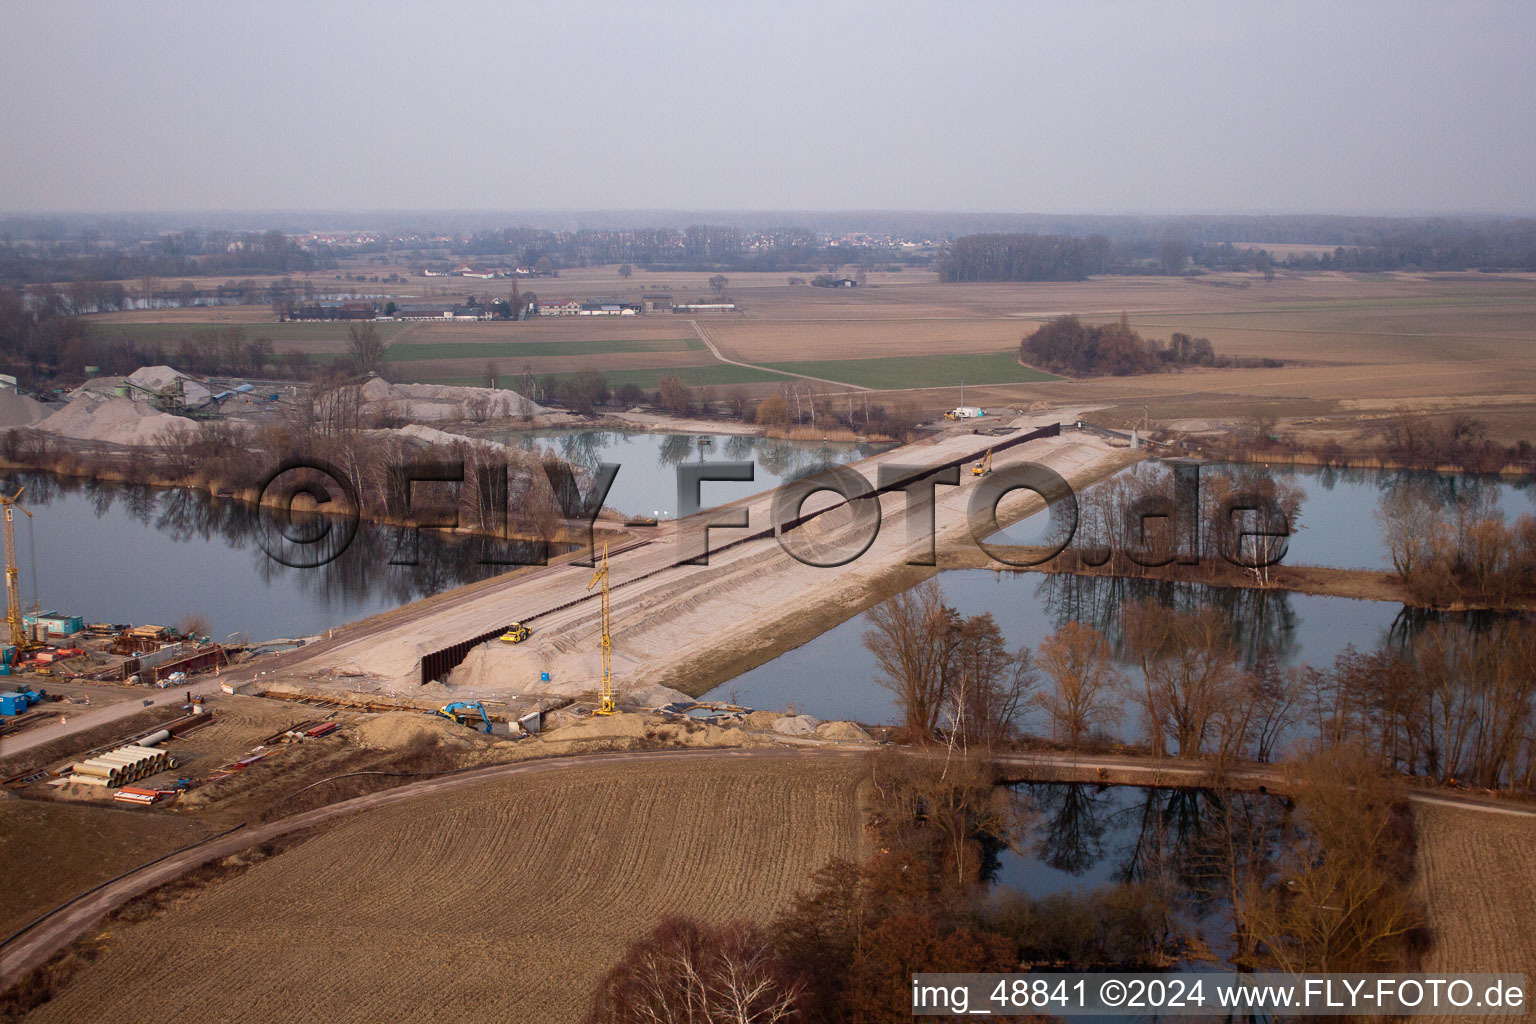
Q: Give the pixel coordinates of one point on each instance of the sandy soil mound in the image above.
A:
(845, 732)
(634, 730)
(395, 730)
(435, 403)
(19, 410)
(116, 421)
(759, 721)
(797, 725)
(654, 695)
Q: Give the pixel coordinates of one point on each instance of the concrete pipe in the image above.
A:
(100, 770)
(140, 756)
(92, 780)
(153, 738)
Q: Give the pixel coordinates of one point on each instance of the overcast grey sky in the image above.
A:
(1335, 107)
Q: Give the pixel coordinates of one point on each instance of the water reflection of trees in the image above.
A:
(365, 569)
(1195, 847)
(1260, 620)
(781, 458)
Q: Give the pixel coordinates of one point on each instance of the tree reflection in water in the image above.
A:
(365, 569)
(1195, 847)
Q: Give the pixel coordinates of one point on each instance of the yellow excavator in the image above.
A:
(983, 465)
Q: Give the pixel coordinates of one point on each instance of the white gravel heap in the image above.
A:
(115, 421)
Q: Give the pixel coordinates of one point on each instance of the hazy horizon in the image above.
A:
(1370, 109)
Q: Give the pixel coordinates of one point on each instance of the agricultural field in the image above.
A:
(1477, 885)
(1356, 346)
(491, 901)
(317, 338)
(52, 850)
(921, 371)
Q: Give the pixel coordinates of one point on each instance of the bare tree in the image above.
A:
(1083, 677)
(685, 972)
(365, 346)
(913, 637)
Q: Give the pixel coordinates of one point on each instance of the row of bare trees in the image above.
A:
(1459, 705)
(1457, 702)
(1135, 523)
(1457, 549)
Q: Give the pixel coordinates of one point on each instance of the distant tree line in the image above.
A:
(1418, 245)
(183, 253)
(1067, 345)
(1000, 257)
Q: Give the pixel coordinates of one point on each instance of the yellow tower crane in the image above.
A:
(605, 704)
(13, 574)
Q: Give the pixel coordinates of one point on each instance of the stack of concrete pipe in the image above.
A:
(124, 764)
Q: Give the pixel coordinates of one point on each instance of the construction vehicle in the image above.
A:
(455, 712)
(19, 638)
(605, 704)
(516, 633)
(983, 465)
(965, 412)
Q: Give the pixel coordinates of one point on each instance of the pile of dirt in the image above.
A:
(436, 403)
(398, 730)
(629, 731)
(115, 421)
(19, 410)
(797, 725)
(759, 721)
(654, 695)
(845, 732)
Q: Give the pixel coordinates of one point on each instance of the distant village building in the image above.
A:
(705, 307)
(425, 311)
(335, 311)
(569, 307)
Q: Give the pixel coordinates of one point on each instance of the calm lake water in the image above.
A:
(1084, 837)
(834, 675)
(113, 553)
(1337, 526)
(647, 481)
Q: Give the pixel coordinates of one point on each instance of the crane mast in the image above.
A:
(606, 705)
(13, 573)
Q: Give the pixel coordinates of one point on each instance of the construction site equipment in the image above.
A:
(454, 713)
(516, 633)
(606, 704)
(965, 412)
(983, 465)
(19, 636)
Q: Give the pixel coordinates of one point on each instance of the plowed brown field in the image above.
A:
(504, 901)
(1477, 880)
